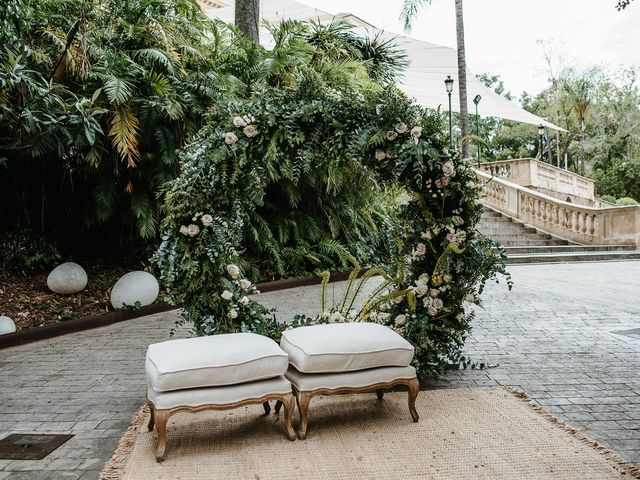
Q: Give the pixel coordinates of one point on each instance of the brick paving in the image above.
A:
(553, 336)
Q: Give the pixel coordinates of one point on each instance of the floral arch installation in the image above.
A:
(262, 144)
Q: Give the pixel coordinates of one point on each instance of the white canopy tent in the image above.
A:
(429, 64)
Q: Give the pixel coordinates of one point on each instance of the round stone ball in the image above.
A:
(67, 278)
(135, 287)
(6, 325)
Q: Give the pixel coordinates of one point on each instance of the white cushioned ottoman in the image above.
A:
(353, 357)
(216, 372)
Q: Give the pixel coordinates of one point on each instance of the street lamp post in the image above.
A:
(540, 135)
(476, 101)
(448, 83)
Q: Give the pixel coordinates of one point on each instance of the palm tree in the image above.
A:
(407, 15)
(247, 18)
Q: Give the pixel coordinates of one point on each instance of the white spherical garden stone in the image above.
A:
(6, 325)
(67, 278)
(135, 287)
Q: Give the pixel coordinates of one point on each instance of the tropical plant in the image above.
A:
(96, 99)
(315, 135)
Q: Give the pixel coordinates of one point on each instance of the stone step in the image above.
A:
(520, 250)
(594, 256)
(507, 228)
(531, 243)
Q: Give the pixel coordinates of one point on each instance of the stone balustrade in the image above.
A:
(576, 223)
(535, 174)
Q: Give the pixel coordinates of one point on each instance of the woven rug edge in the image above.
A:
(114, 468)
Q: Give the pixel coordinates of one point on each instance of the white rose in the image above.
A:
(423, 278)
(207, 220)
(244, 300)
(245, 284)
(437, 303)
(432, 311)
(434, 292)
(380, 154)
(421, 290)
(193, 230)
(227, 295)
(239, 122)
(401, 127)
(400, 320)
(470, 298)
(233, 313)
(448, 169)
(233, 270)
(421, 249)
(184, 230)
(447, 277)
(391, 135)
(230, 138)
(426, 235)
(452, 238)
(416, 132)
(250, 131)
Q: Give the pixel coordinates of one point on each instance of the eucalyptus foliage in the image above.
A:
(319, 136)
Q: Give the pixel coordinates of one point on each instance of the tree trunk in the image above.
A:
(462, 79)
(247, 18)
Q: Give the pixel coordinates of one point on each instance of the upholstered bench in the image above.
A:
(340, 358)
(217, 372)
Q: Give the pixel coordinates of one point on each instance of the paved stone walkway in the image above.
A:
(553, 336)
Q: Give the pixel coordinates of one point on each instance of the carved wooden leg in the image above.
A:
(303, 399)
(289, 403)
(267, 408)
(279, 405)
(414, 389)
(152, 414)
(380, 394)
(161, 427)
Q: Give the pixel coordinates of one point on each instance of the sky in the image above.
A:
(509, 37)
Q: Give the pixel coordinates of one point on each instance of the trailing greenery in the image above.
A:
(315, 139)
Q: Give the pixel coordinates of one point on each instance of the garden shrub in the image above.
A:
(22, 251)
(359, 137)
(625, 201)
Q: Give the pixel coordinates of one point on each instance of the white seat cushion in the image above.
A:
(345, 347)
(307, 382)
(197, 397)
(213, 361)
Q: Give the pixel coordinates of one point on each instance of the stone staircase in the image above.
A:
(525, 244)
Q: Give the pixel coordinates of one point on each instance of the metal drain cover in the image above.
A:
(634, 332)
(30, 446)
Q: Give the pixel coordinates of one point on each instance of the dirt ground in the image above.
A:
(28, 301)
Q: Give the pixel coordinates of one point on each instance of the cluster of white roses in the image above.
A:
(337, 316)
(193, 229)
(243, 122)
(244, 284)
(401, 127)
(430, 295)
(454, 234)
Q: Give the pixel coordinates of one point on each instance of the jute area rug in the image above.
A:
(462, 434)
